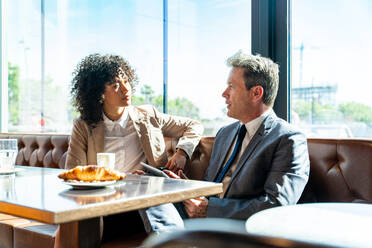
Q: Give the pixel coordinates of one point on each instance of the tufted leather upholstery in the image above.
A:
(199, 161)
(50, 150)
(41, 150)
(341, 171)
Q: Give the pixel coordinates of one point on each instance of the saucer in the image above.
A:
(11, 171)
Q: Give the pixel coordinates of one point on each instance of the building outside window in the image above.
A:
(331, 63)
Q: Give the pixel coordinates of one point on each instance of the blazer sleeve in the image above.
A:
(77, 150)
(188, 131)
(284, 183)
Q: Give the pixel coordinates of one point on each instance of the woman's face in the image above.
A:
(118, 93)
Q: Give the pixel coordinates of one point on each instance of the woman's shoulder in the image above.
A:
(145, 110)
(145, 107)
(79, 122)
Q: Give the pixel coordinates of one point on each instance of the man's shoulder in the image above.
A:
(228, 128)
(283, 129)
(286, 126)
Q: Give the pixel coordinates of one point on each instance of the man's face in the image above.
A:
(237, 96)
(118, 93)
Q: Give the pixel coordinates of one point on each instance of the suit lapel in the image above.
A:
(261, 133)
(98, 134)
(140, 121)
(224, 149)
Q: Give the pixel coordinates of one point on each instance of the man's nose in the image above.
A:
(224, 94)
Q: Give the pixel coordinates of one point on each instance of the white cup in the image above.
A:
(106, 159)
(8, 154)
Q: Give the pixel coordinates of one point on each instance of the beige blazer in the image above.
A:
(151, 126)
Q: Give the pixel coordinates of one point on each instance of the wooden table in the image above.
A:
(36, 193)
(323, 224)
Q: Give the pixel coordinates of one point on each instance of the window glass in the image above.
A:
(73, 30)
(331, 63)
(202, 35)
(24, 64)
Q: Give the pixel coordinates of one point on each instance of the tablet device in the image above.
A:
(154, 171)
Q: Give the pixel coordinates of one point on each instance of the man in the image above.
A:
(270, 164)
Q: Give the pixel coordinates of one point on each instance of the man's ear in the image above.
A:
(257, 92)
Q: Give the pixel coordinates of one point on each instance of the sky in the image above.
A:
(337, 37)
(199, 41)
(202, 34)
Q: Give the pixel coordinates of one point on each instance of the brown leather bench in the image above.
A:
(341, 171)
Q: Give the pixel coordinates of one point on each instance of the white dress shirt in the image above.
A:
(252, 128)
(121, 138)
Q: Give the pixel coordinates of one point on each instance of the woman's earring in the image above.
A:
(102, 99)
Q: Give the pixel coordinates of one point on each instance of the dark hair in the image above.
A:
(258, 71)
(89, 80)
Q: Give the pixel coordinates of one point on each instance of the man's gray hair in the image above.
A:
(258, 71)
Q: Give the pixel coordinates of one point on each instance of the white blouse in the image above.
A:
(121, 138)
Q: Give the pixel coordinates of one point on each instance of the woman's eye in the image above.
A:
(116, 86)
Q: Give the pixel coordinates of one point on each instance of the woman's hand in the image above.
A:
(138, 172)
(177, 161)
(179, 175)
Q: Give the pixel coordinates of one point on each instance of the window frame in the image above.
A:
(271, 35)
(3, 70)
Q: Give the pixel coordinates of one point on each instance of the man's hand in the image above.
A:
(196, 208)
(177, 161)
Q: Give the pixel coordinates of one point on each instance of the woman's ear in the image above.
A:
(102, 99)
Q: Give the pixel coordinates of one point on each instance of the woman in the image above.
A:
(102, 88)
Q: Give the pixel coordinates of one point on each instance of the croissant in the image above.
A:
(91, 173)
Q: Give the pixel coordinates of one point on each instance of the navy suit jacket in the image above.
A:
(272, 171)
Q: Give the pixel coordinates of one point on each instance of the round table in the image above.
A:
(330, 224)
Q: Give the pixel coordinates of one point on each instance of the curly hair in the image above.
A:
(89, 80)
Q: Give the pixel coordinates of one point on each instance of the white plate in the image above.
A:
(89, 193)
(4, 172)
(88, 185)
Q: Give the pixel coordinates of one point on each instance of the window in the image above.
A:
(46, 48)
(331, 60)
(202, 35)
(72, 30)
